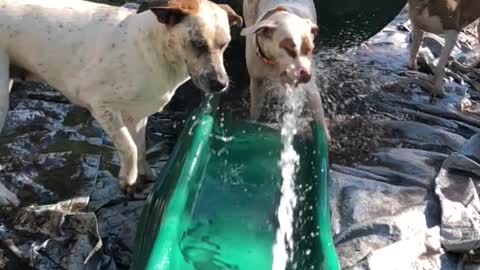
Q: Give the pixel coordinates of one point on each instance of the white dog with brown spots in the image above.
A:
(280, 49)
(120, 64)
(446, 17)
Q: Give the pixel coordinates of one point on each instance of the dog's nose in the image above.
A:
(304, 76)
(218, 84)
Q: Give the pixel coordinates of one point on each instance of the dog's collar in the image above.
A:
(261, 53)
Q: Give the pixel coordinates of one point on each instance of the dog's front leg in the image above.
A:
(417, 38)
(5, 84)
(114, 125)
(257, 97)
(314, 103)
(137, 127)
(450, 40)
(478, 32)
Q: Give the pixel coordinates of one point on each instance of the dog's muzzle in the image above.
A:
(304, 76)
(217, 82)
(300, 76)
(211, 82)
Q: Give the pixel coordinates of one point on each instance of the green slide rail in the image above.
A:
(214, 204)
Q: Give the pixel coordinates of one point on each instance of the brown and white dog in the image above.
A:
(120, 65)
(440, 17)
(280, 49)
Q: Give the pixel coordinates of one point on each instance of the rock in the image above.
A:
(422, 251)
(8, 198)
(458, 184)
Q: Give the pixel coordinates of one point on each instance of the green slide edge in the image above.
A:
(321, 164)
(156, 240)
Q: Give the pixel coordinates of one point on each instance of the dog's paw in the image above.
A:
(412, 68)
(436, 95)
(138, 189)
(132, 191)
(438, 88)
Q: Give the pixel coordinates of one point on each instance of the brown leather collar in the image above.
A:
(267, 60)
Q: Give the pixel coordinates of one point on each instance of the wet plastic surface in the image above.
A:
(214, 206)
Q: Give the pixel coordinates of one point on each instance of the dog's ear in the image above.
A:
(233, 18)
(316, 45)
(265, 27)
(170, 12)
(315, 30)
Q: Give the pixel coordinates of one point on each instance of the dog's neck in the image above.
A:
(261, 53)
(155, 42)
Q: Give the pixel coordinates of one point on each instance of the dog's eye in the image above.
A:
(289, 46)
(222, 46)
(200, 46)
(307, 46)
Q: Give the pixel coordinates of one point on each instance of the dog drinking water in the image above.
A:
(120, 64)
(280, 50)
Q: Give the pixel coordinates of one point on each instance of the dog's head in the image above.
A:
(286, 42)
(199, 31)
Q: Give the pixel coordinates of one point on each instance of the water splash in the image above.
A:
(289, 161)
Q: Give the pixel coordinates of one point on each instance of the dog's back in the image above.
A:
(437, 16)
(253, 9)
(53, 26)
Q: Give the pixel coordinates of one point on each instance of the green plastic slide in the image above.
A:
(214, 205)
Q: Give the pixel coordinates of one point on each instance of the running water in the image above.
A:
(289, 161)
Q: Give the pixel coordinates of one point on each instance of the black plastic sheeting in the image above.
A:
(413, 204)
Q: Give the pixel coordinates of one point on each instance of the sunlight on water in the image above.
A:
(289, 161)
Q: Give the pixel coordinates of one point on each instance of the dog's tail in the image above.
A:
(4, 88)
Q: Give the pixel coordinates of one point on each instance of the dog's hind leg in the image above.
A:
(314, 103)
(477, 63)
(113, 124)
(137, 126)
(5, 85)
(417, 38)
(450, 40)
